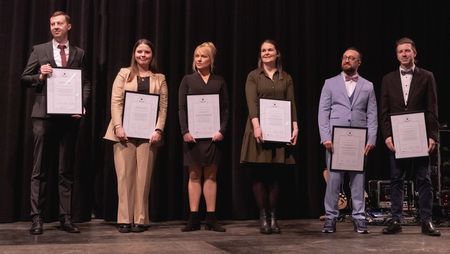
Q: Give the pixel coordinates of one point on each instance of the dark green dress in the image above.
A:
(259, 85)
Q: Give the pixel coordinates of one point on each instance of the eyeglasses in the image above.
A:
(349, 58)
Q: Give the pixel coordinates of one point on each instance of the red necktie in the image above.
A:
(63, 55)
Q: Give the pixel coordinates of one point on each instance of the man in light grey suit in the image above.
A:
(346, 100)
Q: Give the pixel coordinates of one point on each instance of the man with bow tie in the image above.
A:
(347, 99)
(410, 89)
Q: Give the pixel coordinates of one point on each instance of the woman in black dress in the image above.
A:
(202, 156)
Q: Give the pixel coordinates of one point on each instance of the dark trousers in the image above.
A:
(54, 138)
(420, 167)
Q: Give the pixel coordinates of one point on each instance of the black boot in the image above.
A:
(273, 223)
(193, 223)
(264, 223)
(212, 224)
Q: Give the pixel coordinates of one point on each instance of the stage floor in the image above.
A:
(298, 236)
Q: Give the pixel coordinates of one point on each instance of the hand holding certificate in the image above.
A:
(275, 120)
(140, 114)
(203, 115)
(348, 148)
(64, 92)
(409, 134)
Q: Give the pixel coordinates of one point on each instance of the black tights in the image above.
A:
(266, 185)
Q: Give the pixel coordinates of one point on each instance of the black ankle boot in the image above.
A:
(193, 223)
(264, 227)
(273, 223)
(211, 223)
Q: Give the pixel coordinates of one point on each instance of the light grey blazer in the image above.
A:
(335, 108)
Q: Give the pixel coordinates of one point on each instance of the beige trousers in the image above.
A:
(134, 162)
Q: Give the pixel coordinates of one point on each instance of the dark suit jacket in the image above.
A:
(422, 97)
(43, 54)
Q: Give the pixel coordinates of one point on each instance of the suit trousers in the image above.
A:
(421, 168)
(335, 179)
(134, 162)
(54, 138)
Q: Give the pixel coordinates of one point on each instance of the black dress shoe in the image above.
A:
(37, 225)
(69, 227)
(137, 228)
(124, 228)
(394, 228)
(429, 229)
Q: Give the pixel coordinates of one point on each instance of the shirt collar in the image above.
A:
(55, 44)
(413, 68)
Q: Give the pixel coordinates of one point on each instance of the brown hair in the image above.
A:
(59, 13)
(278, 63)
(133, 65)
(405, 40)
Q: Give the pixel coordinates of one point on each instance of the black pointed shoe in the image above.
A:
(138, 228)
(394, 228)
(124, 228)
(37, 227)
(68, 226)
(429, 229)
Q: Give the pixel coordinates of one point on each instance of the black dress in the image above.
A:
(203, 152)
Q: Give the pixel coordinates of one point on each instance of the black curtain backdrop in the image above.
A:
(312, 36)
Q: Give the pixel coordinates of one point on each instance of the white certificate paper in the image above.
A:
(275, 120)
(64, 92)
(409, 134)
(139, 114)
(348, 148)
(203, 115)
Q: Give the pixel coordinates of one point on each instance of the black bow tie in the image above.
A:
(354, 78)
(407, 72)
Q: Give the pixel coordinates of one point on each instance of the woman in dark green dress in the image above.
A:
(202, 156)
(266, 160)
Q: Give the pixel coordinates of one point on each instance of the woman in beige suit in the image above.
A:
(134, 158)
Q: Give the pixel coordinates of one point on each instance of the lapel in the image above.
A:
(414, 82)
(397, 88)
(72, 51)
(152, 88)
(49, 53)
(357, 90)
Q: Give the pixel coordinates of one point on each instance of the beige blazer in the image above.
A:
(158, 85)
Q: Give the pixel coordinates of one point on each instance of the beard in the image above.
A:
(348, 69)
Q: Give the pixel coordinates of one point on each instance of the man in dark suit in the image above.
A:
(53, 134)
(410, 89)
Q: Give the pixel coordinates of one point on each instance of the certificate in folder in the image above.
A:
(64, 92)
(203, 115)
(348, 148)
(140, 113)
(275, 120)
(409, 134)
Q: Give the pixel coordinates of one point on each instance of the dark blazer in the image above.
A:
(422, 97)
(43, 54)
